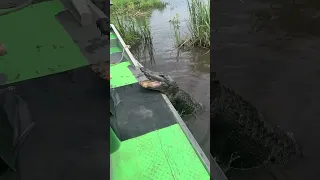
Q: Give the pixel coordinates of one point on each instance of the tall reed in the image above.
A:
(198, 25)
(199, 22)
(134, 31)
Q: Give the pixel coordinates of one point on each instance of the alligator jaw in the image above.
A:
(159, 82)
(150, 84)
(156, 76)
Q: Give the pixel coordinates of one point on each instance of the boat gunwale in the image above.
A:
(125, 48)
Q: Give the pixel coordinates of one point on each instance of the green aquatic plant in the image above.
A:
(176, 28)
(134, 31)
(137, 7)
(127, 27)
(131, 18)
(198, 25)
(199, 22)
(139, 4)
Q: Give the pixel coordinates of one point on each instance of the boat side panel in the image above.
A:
(117, 51)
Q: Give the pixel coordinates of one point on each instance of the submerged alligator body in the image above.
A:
(180, 99)
(254, 140)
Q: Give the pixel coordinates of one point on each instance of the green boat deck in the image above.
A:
(154, 145)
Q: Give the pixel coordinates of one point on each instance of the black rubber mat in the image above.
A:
(141, 111)
(71, 136)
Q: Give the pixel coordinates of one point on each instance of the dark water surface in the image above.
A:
(270, 56)
(190, 70)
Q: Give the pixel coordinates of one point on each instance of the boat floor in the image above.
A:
(154, 145)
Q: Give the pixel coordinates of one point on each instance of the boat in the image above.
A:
(149, 128)
(49, 65)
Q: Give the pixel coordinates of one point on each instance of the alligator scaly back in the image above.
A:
(184, 103)
(260, 142)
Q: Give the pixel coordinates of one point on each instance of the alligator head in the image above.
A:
(159, 82)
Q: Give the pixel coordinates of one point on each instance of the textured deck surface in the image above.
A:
(164, 154)
(121, 75)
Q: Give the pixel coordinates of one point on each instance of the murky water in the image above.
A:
(189, 69)
(270, 56)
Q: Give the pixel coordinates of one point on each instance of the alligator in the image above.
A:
(255, 142)
(163, 83)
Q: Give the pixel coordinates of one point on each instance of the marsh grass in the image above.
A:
(131, 18)
(144, 50)
(137, 7)
(134, 31)
(139, 4)
(198, 25)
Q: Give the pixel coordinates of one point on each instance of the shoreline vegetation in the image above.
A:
(137, 8)
(131, 18)
(198, 25)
